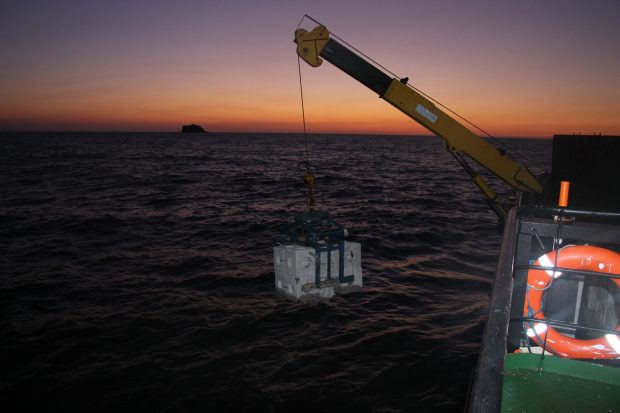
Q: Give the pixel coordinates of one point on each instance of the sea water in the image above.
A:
(136, 273)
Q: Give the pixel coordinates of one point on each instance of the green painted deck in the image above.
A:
(563, 385)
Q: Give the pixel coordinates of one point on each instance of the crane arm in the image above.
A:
(317, 45)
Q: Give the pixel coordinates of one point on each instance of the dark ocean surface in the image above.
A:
(136, 273)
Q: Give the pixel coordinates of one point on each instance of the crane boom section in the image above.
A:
(458, 138)
(316, 45)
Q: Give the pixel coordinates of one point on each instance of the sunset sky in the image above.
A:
(516, 68)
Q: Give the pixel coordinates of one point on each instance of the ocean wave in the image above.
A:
(137, 274)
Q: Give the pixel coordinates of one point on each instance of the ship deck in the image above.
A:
(535, 385)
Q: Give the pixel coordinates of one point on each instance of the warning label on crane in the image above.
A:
(430, 116)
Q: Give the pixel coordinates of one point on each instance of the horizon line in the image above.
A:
(207, 132)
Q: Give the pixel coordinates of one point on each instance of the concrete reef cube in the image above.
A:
(295, 271)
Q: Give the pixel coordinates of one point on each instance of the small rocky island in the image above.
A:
(192, 129)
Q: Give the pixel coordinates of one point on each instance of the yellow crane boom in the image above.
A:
(317, 45)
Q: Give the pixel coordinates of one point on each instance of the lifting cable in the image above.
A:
(303, 113)
(308, 177)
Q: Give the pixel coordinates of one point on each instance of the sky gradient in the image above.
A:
(516, 68)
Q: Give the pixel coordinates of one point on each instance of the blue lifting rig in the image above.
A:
(317, 230)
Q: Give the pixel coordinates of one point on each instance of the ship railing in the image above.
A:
(529, 233)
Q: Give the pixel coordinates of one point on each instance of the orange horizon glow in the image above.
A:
(525, 72)
(374, 118)
(352, 110)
